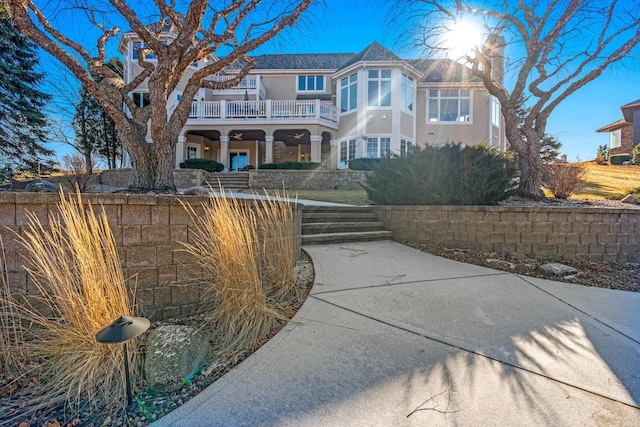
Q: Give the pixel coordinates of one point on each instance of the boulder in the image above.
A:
(173, 355)
(41, 187)
(630, 199)
(557, 269)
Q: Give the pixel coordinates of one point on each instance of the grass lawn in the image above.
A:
(349, 197)
(604, 181)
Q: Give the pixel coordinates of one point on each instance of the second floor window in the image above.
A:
(449, 105)
(379, 88)
(141, 99)
(406, 95)
(349, 93)
(140, 45)
(310, 83)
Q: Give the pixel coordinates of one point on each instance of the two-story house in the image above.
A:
(624, 134)
(330, 108)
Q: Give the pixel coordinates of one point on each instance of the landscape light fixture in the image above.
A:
(122, 330)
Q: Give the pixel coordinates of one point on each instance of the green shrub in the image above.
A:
(442, 175)
(204, 164)
(603, 151)
(618, 159)
(291, 165)
(635, 155)
(363, 164)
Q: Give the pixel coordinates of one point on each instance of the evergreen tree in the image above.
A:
(22, 122)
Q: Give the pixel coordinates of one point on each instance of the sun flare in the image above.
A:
(461, 39)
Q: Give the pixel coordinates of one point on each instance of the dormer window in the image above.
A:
(379, 88)
(140, 45)
(310, 83)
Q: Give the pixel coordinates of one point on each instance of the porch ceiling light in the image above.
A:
(122, 330)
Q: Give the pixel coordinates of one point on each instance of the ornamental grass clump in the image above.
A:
(276, 229)
(11, 353)
(225, 243)
(79, 289)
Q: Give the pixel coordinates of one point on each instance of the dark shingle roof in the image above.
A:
(373, 52)
(613, 126)
(442, 70)
(314, 61)
(632, 104)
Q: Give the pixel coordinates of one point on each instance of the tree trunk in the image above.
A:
(531, 171)
(88, 162)
(143, 156)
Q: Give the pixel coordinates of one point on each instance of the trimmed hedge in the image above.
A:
(363, 164)
(618, 159)
(450, 174)
(204, 164)
(290, 166)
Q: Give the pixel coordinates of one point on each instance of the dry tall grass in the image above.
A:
(80, 289)
(276, 227)
(11, 353)
(225, 243)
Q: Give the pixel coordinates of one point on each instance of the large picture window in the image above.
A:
(450, 105)
(378, 147)
(347, 151)
(379, 85)
(406, 93)
(349, 93)
(310, 83)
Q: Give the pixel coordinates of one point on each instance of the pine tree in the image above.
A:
(22, 122)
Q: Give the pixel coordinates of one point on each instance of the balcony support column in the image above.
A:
(268, 149)
(333, 161)
(316, 149)
(180, 150)
(224, 151)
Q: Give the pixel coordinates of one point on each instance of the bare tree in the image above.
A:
(199, 29)
(550, 50)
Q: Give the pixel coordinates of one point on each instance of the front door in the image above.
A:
(238, 160)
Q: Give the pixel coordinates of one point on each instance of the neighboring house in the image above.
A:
(331, 108)
(625, 133)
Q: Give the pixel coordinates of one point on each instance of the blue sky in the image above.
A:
(349, 26)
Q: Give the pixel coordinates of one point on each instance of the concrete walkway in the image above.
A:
(391, 336)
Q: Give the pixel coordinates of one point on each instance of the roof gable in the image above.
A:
(374, 52)
(443, 70)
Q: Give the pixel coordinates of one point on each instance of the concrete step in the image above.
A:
(338, 216)
(319, 239)
(341, 227)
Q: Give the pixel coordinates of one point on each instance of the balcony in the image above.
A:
(250, 84)
(275, 110)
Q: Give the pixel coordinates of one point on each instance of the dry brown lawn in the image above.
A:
(605, 181)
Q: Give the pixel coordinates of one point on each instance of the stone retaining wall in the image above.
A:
(589, 234)
(319, 179)
(148, 230)
(182, 178)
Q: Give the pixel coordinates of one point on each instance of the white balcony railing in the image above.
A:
(269, 109)
(247, 83)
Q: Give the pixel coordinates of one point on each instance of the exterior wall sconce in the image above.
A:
(207, 148)
(122, 330)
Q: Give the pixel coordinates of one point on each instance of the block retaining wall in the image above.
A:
(589, 234)
(319, 179)
(148, 230)
(183, 178)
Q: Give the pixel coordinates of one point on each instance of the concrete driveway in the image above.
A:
(391, 336)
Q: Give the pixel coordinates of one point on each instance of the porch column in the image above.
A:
(268, 149)
(333, 161)
(316, 150)
(180, 150)
(224, 151)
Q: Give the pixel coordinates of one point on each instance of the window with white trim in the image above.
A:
(379, 88)
(405, 146)
(449, 105)
(141, 99)
(378, 147)
(192, 152)
(407, 88)
(615, 138)
(349, 93)
(347, 151)
(310, 83)
(495, 111)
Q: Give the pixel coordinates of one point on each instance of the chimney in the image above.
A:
(494, 48)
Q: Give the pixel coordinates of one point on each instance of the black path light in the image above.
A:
(122, 330)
